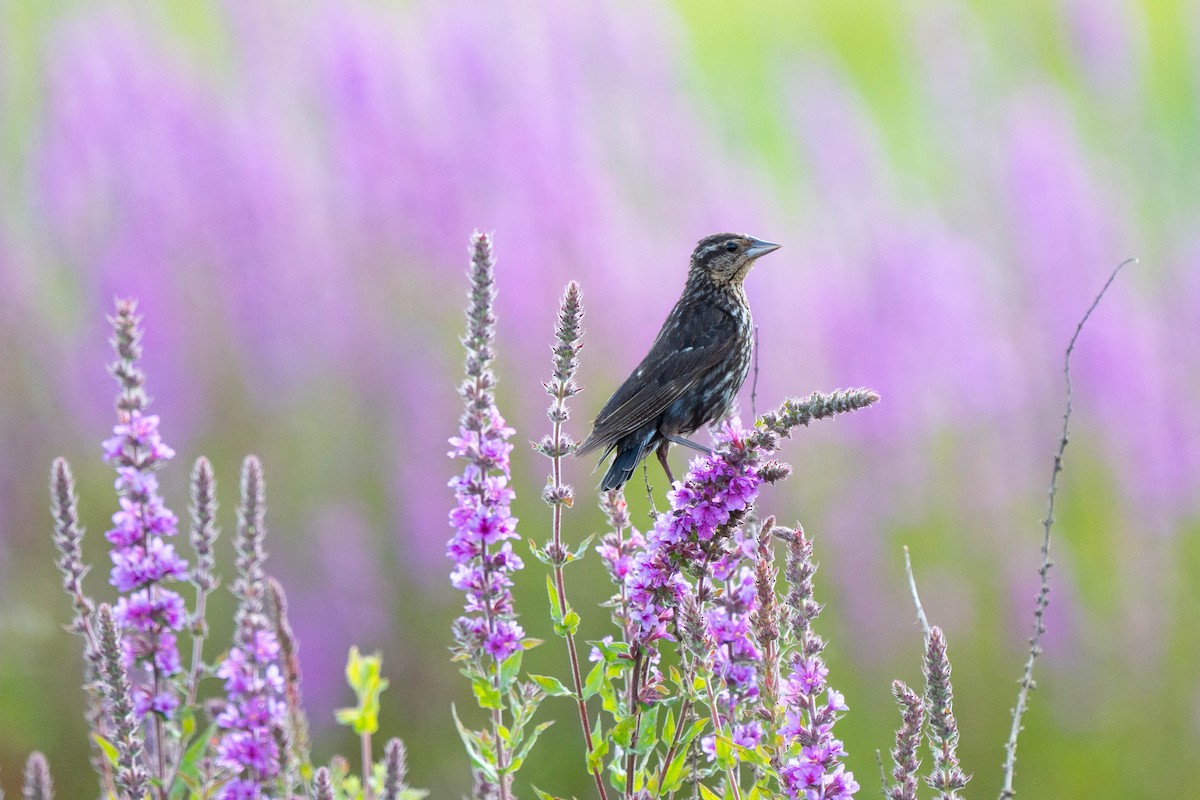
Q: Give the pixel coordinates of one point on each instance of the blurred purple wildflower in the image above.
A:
(142, 560)
(481, 546)
(908, 737)
(254, 687)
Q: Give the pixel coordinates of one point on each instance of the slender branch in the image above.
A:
(912, 587)
(1043, 597)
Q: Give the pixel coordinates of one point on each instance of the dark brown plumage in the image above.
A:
(695, 367)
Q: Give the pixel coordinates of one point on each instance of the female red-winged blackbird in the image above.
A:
(695, 367)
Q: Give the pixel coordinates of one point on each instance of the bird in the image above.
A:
(694, 369)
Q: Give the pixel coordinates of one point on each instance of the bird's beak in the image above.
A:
(760, 248)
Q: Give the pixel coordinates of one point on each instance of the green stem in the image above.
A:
(635, 711)
(560, 586)
(716, 722)
(368, 793)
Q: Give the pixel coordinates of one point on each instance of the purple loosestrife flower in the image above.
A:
(38, 785)
(481, 546)
(704, 507)
(619, 555)
(812, 707)
(737, 657)
(395, 769)
(142, 561)
(904, 754)
(710, 503)
(946, 776)
(126, 736)
(256, 709)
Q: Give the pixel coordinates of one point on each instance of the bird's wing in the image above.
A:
(694, 339)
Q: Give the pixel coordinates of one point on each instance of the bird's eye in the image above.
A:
(731, 247)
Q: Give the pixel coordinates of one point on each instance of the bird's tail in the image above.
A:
(630, 452)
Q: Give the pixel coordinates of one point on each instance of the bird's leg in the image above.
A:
(662, 457)
(699, 448)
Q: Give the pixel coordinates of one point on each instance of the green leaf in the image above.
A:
(608, 694)
(198, 748)
(647, 739)
(538, 553)
(673, 777)
(364, 676)
(578, 554)
(758, 757)
(519, 758)
(487, 695)
(471, 743)
(568, 625)
(509, 669)
(708, 794)
(108, 748)
(552, 686)
(622, 732)
(676, 677)
(595, 756)
(187, 723)
(594, 679)
(613, 652)
(544, 795)
(188, 775)
(668, 731)
(724, 748)
(697, 726)
(555, 614)
(189, 783)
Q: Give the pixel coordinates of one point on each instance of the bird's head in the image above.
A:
(723, 259)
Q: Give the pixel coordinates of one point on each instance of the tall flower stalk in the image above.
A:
(127, 739)
(203, 535)
(143, 562)
(255, 717)
(488, 633)
(559, 495)
(946, 777)
(68, 541)
(812, 706)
